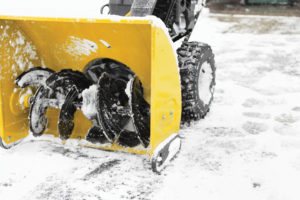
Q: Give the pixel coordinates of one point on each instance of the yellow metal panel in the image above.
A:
(74, 44)
(1, 103)
(165, 90)
(18, 53)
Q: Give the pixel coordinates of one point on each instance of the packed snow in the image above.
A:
(248, 147)
(88, 107)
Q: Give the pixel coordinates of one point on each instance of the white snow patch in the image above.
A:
(22, 50)
(272, 83)
(128, 89)
(20, 39)
(76, 46)
(89, 102)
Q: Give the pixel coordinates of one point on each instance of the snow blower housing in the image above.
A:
(111, 83)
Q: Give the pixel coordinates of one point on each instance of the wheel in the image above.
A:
(198, 74)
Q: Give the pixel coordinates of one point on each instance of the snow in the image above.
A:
(89, 102)
(128, 89)
(34, 78)
(204, 83)
(248, 147)
(23, 51)
(77, 46)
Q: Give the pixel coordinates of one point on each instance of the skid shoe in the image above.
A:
(165, 152)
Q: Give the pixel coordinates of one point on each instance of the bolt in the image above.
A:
(30, 100)
(163, 117)
(8, 138)
(171, 112)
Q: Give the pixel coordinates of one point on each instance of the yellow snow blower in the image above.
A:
(111, 82)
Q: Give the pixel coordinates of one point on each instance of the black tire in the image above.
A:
(194, 58)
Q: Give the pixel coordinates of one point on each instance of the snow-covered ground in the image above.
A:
(248, 147)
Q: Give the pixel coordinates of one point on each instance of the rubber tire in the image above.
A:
(191, 57)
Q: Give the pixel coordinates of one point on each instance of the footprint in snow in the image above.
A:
(297, 109)
(257, 115)
(251, 102)
(255, 127)
(286, 118)
(256, 185)
(5, 184)
(222, 132)
(266, 154)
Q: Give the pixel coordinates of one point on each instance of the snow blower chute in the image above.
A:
(111, 83)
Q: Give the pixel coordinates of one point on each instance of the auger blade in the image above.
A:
(62, 82)
(141, 112)
(66, 115)
(67, 85)
(36, 76)
(61, 90)
(128, 139)
(124, 115)
(111, 67)
(112, 105)
(96, 135)
(37, 119)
